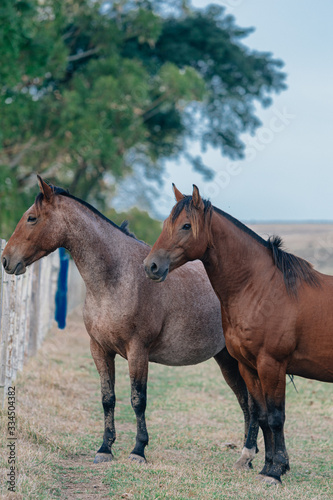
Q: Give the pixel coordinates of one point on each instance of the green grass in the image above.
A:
(194, 423)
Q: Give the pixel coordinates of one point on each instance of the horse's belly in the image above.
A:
(313, 355)
(317, 368)
(187, 352)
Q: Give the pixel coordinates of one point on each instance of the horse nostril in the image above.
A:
(153, 267)
(4, 262)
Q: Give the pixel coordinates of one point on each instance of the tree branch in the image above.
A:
(82, 55)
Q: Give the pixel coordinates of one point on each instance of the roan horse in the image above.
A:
(176, 324)
(277, 311)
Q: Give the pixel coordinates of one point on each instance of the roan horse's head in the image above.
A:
(35, 235)
(185, 235)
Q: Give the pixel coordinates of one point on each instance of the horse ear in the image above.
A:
(178, 195)
(45, 188)
(196, 198)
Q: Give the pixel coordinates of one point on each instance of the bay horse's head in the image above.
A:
(36, 234)
(185, 236)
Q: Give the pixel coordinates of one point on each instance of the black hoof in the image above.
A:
(103, 457)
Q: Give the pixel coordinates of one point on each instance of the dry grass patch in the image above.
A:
(57, 398)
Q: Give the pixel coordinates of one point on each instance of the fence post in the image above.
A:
(34, 310)
(18, 312)
(11, 340)
(23, 319)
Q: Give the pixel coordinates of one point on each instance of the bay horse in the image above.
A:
(176, 324)
(277, 311)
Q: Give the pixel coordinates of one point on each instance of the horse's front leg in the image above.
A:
(258, 414)
(230, 371)
(137, 356)
(106, 369)
(273, 380)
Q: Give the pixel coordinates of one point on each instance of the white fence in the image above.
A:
(76, 288)
(27, 307)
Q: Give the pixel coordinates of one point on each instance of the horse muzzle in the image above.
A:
(10, 267)
(155, 271)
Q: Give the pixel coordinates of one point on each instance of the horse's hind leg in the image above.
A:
(230, 371)
(138, 369)
(106, 369)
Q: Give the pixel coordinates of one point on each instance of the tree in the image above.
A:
(93, 91)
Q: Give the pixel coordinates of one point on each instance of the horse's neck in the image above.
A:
(235, 259)
(98, 248)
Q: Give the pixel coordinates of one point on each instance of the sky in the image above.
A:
(287, 174)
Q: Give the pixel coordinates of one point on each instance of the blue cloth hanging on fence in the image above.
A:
(61, 293)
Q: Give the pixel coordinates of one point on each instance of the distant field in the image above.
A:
(313, 242)
(193, 419)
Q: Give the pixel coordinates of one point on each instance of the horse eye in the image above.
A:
(31, 218)
(186, 226)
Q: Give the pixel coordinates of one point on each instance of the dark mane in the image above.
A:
(293, 268)
(63, 192)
